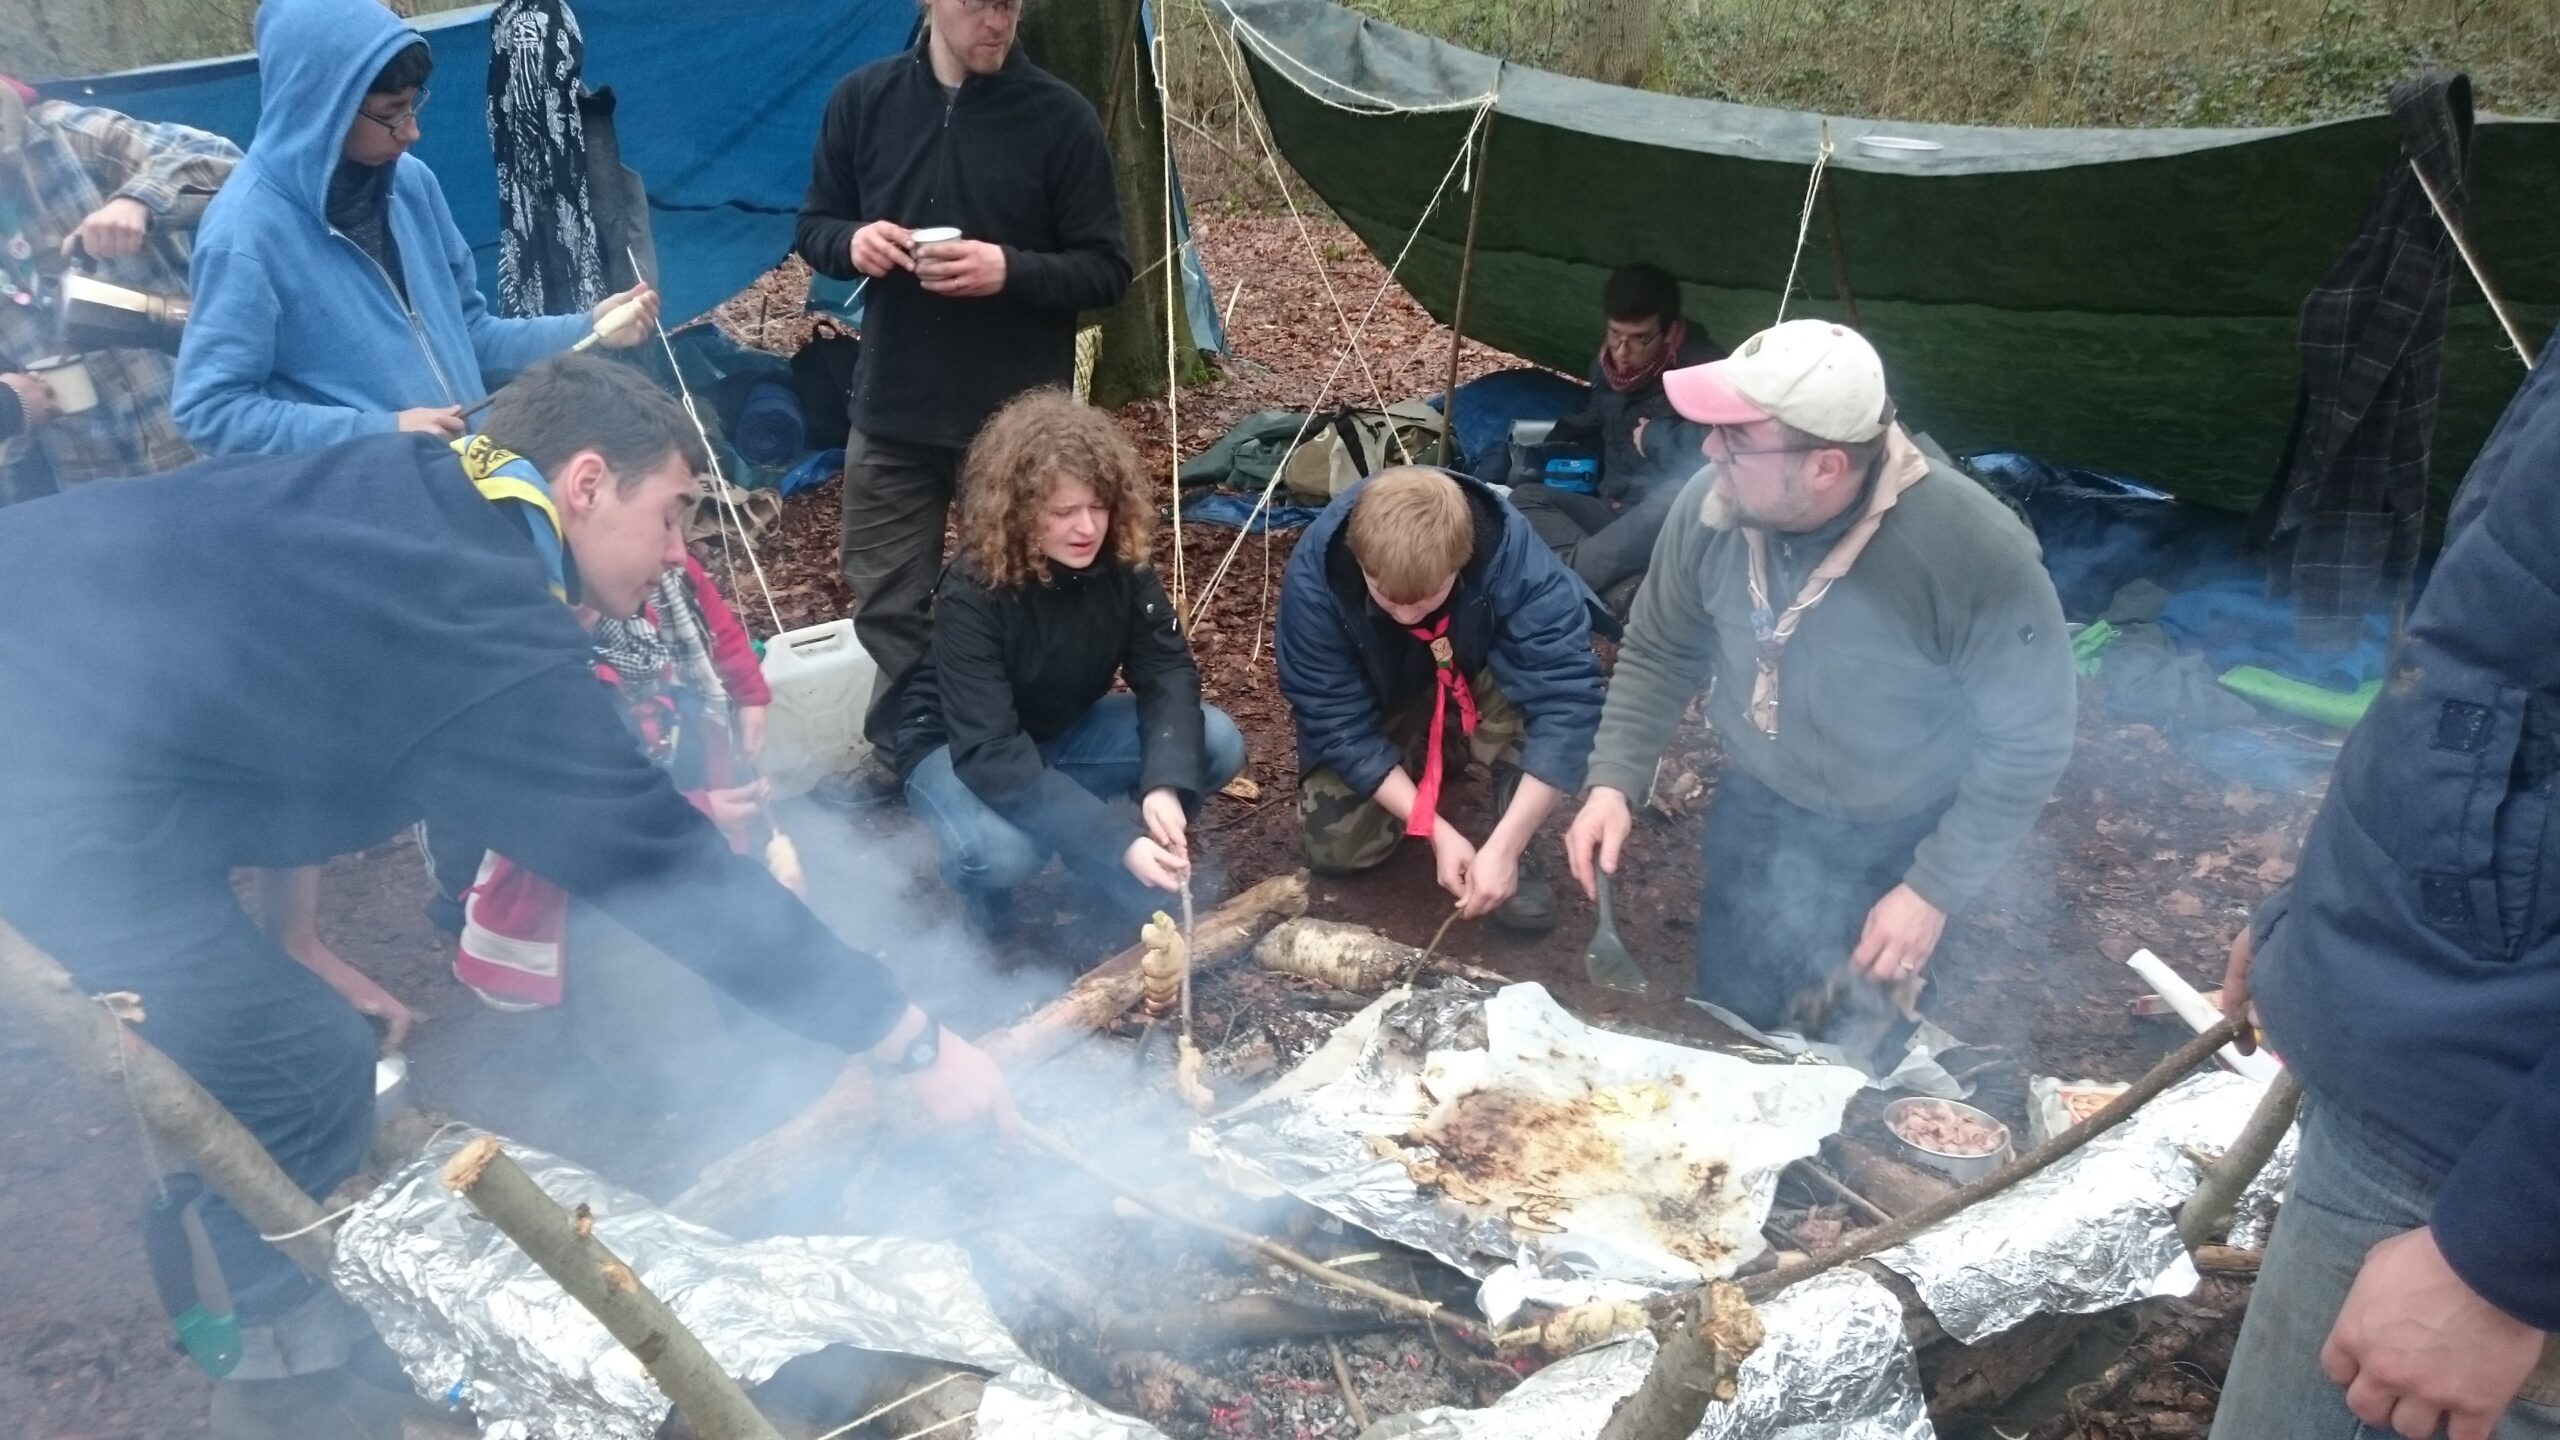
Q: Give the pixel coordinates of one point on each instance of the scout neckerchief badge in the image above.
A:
(1772, 629)
(504, 476)
(1448, 688)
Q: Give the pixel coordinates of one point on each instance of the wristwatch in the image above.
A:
(920, 1053)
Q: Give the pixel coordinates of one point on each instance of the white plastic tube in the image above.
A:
(2199, 1013)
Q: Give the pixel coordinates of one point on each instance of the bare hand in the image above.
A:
(358, 989)
(734, 808)
(963, 1085)
(750, 731)
(634, 330)
(1153, 864)
(962, 269)
(35, 397)
(1167, 824)
(2417, 1349)
(883, 246)
(114, 229)
(1600, 832)
(1453, 856)
(2235, 988)
(1902, 929)
(444, 420)
(1492, 879)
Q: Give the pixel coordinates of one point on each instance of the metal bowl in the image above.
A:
(1962, 1168)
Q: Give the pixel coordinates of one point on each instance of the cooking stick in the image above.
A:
(1884, 1237)
(1422, 962)
(1317, 1270)
(614, 319)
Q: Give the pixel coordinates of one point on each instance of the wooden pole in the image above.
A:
(731, 1189)
(2479, 276)
(1884, 1237)
(1483, 168)
(567, 1250)
(2209, 1209)
(1697, 1365)
(1839, 250)
(201, 1136)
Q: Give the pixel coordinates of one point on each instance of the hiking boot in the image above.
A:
(871, 782)
(1621, 598)
(1531, 910)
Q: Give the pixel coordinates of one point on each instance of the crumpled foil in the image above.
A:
(1684, 1154)
(1834, 1366)
(2253, 1219)
(2099, 1229)
(474, 1320)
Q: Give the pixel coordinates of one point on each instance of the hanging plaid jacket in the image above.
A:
(2343, 523)
(58, 163)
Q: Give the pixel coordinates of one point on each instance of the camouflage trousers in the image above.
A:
(1343, 832)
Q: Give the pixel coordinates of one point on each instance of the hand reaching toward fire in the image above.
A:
(1902, 930)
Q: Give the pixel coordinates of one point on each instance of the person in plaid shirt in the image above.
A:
(127, 194)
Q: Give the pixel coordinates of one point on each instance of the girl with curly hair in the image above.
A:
(1011, 741)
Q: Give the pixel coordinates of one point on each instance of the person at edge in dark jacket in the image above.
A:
(2410, 978)
(963, 132)
(334, 297)
(1648, 450)
(1421, 620)
(409, 653)
(1013, 745)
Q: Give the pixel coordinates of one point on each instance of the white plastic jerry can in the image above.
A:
(821, 679)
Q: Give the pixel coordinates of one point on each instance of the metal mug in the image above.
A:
(68, 377)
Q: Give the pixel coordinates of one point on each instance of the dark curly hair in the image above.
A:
(1035, 441)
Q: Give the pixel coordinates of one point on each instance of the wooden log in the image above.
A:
(732, 1189)
(2224, 1261)
(1884, 1237)
(1700, 1355)
(1242, 1320)
(2207, 1212)
(568, 1251)
(1896, 1187)
(192, 1127)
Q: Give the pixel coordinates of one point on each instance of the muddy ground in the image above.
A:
(2139, 848)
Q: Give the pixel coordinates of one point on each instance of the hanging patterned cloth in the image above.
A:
(548, 260)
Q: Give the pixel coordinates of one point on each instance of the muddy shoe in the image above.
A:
(1531, 910)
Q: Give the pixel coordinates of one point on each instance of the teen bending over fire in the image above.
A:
(1010, 739)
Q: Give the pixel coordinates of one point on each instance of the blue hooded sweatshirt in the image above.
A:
(298, 339)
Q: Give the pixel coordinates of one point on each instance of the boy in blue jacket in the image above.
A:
(1421, 616)
(334, 296)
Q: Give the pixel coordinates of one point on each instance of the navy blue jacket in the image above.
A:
(2411, 973)
(1516, 609)
(270, 660)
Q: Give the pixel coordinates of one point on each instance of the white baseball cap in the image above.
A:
(1818, 377)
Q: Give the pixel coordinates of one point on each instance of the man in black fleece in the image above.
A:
(269, 660)
(961, 132)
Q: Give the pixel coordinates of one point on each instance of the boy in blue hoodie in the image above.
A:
(334, 296)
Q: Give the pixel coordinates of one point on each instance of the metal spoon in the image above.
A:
(1606, 960)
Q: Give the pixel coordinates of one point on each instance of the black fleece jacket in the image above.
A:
(1016, 159)
(1011, 669)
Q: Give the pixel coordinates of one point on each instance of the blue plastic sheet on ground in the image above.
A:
(1228, 511)
(1489, 403)
(811, 473)
(2234, 622)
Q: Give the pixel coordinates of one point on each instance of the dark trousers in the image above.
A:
(1605, 543)
(896, 499)
(1787, 894)
(276, 1046)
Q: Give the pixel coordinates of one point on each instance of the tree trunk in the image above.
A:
(1099, 47)
(1617, 40)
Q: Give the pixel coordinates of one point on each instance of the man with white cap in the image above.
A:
(1892, 681)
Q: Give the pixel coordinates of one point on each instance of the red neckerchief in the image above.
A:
(1627, 382)
(1447, 685)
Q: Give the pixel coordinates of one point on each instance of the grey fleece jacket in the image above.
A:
(1937, 667)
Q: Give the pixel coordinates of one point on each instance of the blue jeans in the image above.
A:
(2351, 1191)
(984, 855)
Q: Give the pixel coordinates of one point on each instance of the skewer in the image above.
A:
(614, 319)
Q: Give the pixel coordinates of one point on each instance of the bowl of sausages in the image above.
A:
(1954, 1139)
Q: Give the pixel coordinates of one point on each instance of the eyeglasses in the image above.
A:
(1006, 8)
(1718, 436)
(405, 115)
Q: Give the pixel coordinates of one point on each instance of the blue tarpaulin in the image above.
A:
(718, 106)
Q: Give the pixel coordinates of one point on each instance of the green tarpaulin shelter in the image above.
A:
(2123, 299)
